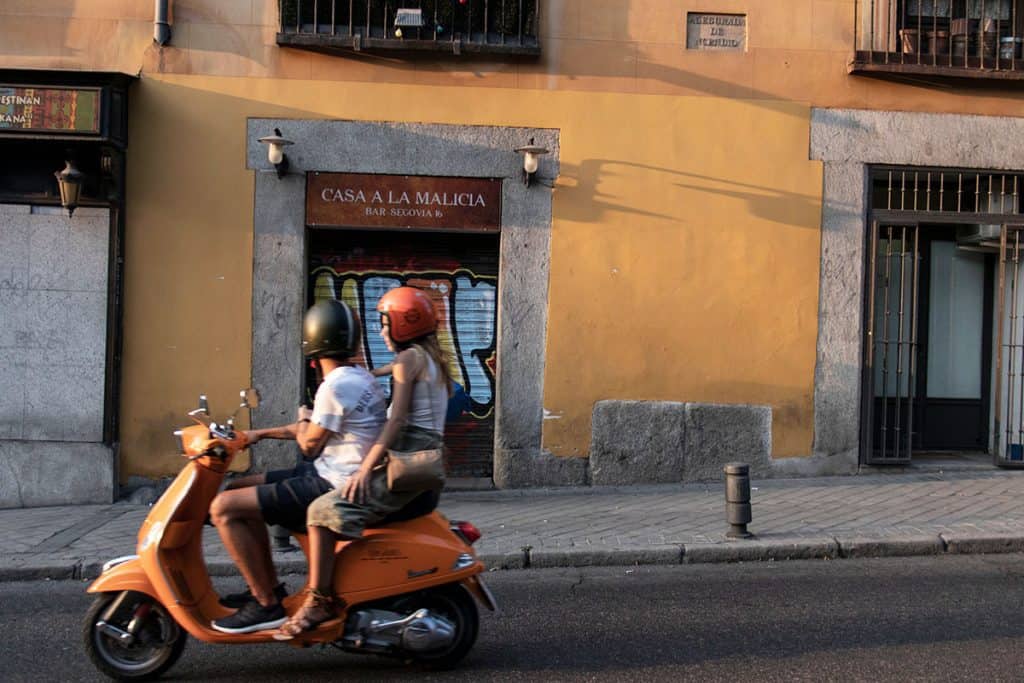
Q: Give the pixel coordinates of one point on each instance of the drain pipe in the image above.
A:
(161, 27)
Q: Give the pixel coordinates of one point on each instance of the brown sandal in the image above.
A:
(317, 608)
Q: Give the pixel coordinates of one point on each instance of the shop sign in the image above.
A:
(355, 200)
(54, 110)
(716, 31)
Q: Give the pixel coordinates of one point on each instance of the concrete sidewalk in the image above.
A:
(973, 511)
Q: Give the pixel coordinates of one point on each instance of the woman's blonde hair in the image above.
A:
(432, 347)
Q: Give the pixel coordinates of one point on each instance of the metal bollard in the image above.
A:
(737, 499)
(282, 539)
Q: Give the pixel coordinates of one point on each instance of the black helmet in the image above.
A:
(330, 328)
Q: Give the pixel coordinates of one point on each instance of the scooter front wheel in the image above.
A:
(138, 642)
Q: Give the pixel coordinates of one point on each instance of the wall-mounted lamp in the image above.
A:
(531, 160)
(70, 183)
(275, 151)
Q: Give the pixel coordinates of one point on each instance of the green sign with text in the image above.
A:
(55, 110)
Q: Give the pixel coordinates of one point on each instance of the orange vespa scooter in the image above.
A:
(410, 585)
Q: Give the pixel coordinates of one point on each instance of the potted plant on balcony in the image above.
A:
(910, 41)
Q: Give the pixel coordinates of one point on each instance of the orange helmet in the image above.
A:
(410, 313)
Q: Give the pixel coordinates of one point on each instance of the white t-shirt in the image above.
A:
(351, 404)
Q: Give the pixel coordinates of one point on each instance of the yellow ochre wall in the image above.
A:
(686, 231)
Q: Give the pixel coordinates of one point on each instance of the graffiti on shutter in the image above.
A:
(459, 272)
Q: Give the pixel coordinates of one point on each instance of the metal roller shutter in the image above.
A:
(460, 271)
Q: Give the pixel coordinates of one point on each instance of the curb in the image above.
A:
(763, 549)
(861, 546)
(982, 542)
(604, 557)
(43, 570)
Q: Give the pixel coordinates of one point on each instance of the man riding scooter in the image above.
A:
(349, 411)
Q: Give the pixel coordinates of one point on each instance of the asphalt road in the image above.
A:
(927, 619)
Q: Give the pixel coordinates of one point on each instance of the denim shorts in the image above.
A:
(286, 495)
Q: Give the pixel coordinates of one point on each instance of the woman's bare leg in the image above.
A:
(322, 542)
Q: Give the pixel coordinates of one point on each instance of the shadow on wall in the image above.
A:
(779, 206)
(764, 202)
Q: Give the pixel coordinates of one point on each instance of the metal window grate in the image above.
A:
(936, 193)
(891, 349)
(482, 26)
(1009, 394)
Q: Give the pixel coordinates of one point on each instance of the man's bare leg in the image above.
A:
(240, 524)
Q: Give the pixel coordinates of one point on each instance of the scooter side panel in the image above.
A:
(401, 557)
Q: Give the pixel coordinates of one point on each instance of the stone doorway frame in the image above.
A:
(280, 259)
(847, 141)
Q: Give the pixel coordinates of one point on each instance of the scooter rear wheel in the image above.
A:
(157, 644)
(455, 604)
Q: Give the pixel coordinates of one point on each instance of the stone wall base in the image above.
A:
(659, 442)
(526, 468)
(41, 473)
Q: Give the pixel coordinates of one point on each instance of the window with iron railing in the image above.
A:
(480, 27)
(945, 195)
(959, 38)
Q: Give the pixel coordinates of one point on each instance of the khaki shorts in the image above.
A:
(349, 519)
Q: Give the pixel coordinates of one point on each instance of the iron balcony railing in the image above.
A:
(963, 38)
(480, 27)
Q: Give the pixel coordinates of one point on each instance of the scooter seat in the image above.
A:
(423, 504)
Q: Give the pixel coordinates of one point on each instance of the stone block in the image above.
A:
(14, 261)
(12, 398)
(524, 468)
(64, 402)
(84, 237)
(637, 442)
(41, 473)
(717, 434)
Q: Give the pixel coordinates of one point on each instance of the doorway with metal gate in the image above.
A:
(942, 287)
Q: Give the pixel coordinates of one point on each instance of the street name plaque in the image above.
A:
(716, 32)
(356, 200)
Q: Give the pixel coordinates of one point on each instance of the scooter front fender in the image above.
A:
(127, 576)
(475, 585)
